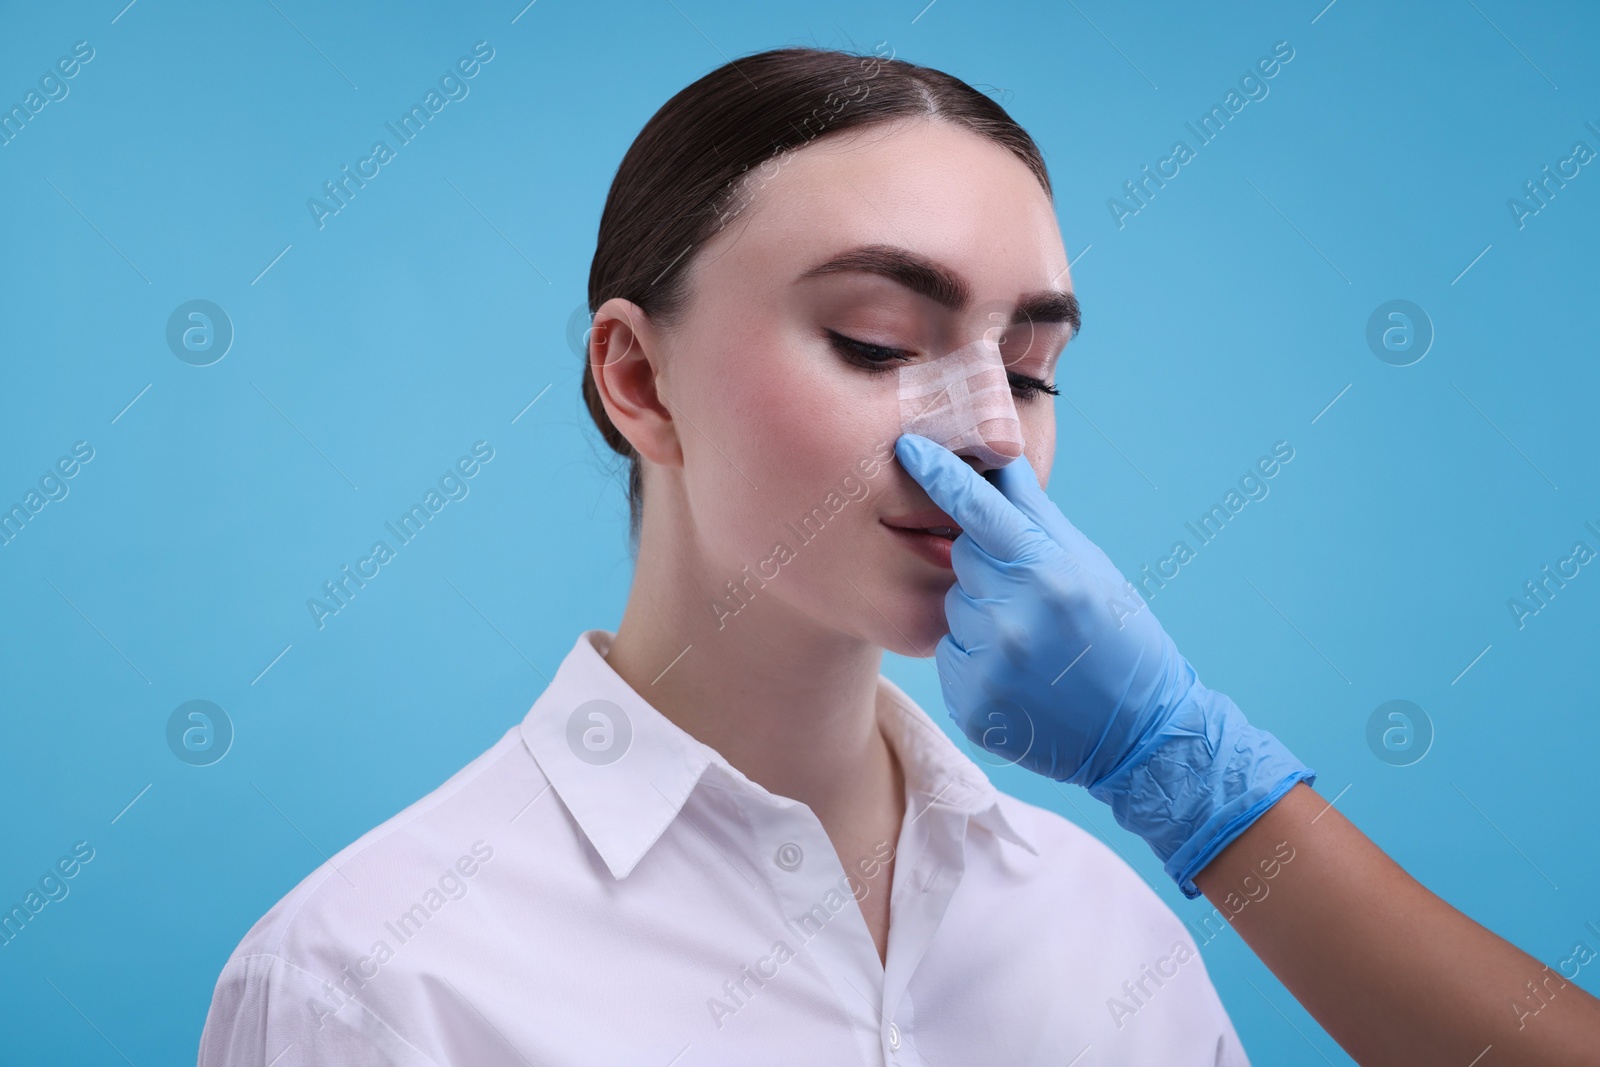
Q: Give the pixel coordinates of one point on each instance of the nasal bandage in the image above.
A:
(962, 400)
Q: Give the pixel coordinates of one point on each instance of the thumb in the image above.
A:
(981, 510)
(1020, 484)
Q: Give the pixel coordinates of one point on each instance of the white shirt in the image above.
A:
(628, 897)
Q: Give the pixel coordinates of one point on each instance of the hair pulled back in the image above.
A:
(686, 174)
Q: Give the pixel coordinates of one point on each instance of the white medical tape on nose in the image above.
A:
(962, 400)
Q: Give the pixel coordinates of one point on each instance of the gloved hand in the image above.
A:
(1055, 661)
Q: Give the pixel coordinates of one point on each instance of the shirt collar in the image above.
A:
(937, 772)
(624, 770)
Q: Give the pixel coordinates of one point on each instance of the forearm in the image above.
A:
(1391, 971)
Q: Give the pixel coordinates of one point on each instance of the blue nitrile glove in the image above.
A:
(1055, 662)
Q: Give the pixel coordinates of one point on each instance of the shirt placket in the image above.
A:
(798, 859)
(929, 862)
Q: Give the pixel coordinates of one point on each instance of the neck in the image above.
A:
(788, 701)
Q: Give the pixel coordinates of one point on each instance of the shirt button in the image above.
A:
(788, 856)
(894, 1037)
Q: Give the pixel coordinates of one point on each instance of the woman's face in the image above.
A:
(787, 430)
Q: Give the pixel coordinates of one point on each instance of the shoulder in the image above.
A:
(1080, 921)
(448, 831)
(300, 974)
(1064, 843)
(1095, 877)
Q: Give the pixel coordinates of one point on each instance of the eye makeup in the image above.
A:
(876, 359)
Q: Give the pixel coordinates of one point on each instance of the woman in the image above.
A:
(690, 849)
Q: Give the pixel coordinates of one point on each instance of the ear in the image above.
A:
(626, 356)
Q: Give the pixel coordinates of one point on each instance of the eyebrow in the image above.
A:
(942, 285)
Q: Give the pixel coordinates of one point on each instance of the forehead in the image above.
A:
(950, 194)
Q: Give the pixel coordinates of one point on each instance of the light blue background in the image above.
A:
(1225, 316)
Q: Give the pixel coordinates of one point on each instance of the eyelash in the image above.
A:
(860, 353)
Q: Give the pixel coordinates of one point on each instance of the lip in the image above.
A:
(921, 520)
(931, 547)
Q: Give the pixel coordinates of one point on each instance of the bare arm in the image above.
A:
(1392, 972)
(1395, 974)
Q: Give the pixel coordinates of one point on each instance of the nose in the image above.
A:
(963, 401)
(994, 436)
(985, 459)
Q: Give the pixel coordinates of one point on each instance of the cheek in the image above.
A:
(1039, 437)
(797, 428)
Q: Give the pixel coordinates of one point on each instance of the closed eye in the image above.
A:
(876, 359)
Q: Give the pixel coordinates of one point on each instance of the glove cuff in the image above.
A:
(1200, 782)
(1232, 820)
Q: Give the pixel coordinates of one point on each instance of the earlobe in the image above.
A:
(625, 357)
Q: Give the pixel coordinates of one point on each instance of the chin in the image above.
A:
(915, 631)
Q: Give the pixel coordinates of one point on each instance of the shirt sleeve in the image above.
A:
(268, 1011)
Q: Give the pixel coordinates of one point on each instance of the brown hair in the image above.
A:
(679, 182)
